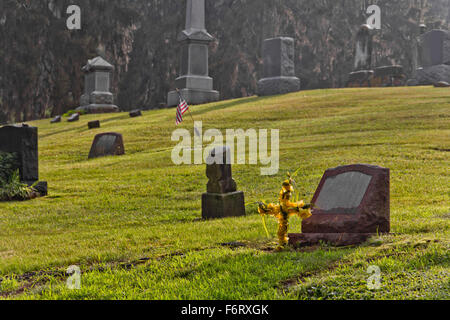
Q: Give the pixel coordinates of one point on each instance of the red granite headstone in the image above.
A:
(351, 204)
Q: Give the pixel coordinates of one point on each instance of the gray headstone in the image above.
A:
(435, 48)
(97, 97)
(194, 82)
(221, 199)
(107, 144)
(344, 191)
(74, 117)
(279, 68)
(57, 119)
(218, 171)
(363, 48)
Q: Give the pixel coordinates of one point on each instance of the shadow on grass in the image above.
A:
(229, 104)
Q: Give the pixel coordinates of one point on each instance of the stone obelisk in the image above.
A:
(194, 82)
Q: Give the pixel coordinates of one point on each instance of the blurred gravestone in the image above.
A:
(22, 140)
(74, 117)
(434, 55)
(94, 124)
(362, 68)
(279, 68)
(56, 119)
(135, 113)
(97, 97)
(221, 199)
(351, 204)
(107, 144)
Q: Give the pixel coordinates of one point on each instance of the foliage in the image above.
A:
(8, 164)
(71, 112)
(14, 189)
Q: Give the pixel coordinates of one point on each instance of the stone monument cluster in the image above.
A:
(364, 74)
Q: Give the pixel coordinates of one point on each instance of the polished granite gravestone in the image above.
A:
(279, 68)
(94, 124)
(194, 82)
(351, 204)
(23, 141)
(56, 119)
(74, 117)
(107, 144)
(434, 58)
(222, 198)
(97, 97)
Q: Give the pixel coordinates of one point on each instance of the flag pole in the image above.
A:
(190, 114)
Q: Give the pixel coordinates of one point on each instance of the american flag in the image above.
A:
(181, 110)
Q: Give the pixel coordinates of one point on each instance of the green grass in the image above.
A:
(132, 222)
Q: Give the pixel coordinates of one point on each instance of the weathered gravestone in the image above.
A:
(222, 198)
(74, 117)
(194, 82)
(22, 140)
(94, 124)
(56, 119)
(351, 203)
(97, 97)
(107, 144)
(362, 68)
(279, 68)
(434, 55)
(136, 113)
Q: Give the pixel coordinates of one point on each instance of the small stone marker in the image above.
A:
(107, 144)
(279, 68)
(74, 117)
(136, 113)
(94, 124)
(23, 140)
(442, 84)
(56, 119)
(352, 203)
(97, 97)
(221, 199)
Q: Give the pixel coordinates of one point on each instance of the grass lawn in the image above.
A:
(131, 223)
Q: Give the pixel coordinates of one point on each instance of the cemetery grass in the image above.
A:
(131, 223)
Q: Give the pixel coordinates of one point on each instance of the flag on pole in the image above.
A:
(182, 109)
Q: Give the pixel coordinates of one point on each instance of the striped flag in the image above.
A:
(182, 109)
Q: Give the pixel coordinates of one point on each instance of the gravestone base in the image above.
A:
(41, 188)
(335, 239)
(216, 205)
(192, 96)
(99, 108)
(431, 75)
(278, 85)
(360, 78)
